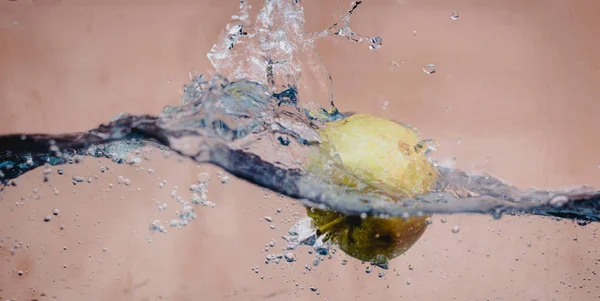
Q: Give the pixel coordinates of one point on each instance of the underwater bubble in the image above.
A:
(558, 201)
(430, 69)
(381, 261)
(203, 178)
(289, 256)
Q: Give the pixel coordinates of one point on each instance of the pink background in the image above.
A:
(520, 79)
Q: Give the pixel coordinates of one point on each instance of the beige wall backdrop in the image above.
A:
(516, 80)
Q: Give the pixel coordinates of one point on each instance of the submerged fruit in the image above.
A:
(364, 152)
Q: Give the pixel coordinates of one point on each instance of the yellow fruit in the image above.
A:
(369, 152)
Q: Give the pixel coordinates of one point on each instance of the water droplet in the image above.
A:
(443, 220)
(376, 43)
(448, 108)
(47, 218)
(394, 66)
(385, 105)
(368, 270)
(414, 33)
(455, 229)
(459, 140)
(20, 273)
(268, 219)
(430, 69)
(410, 267)
(454, 15)
(344, 262)
(381, 274)
(77, 179)
(55, 211)
(312, 288)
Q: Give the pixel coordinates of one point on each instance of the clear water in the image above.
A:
(257, 118)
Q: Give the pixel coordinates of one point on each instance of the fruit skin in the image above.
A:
(368, 152)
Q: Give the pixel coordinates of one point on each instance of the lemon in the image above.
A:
(369, 152)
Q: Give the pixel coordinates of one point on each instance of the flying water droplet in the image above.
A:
(376, 43)
(385, 105)
(430, 69)
(454, 15)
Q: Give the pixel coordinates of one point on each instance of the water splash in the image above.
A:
(266, 67)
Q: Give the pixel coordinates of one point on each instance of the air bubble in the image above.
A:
(289, 257)
(203, 178)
